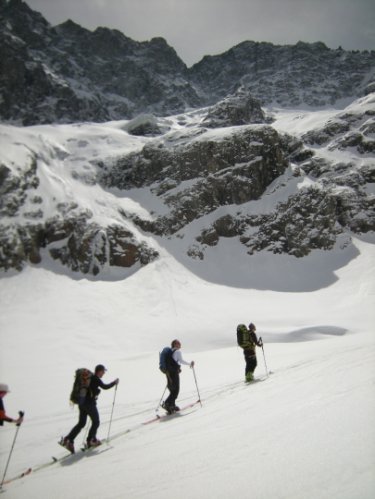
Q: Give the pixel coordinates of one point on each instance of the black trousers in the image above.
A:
(88, 408)
(251, 361)
(173, 384)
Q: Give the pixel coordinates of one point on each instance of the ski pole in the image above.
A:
(264, 357)
(196, 384)
(159, 404)
(113, 406)
(21, 414)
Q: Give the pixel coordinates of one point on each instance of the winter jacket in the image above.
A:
(94, 388)
(3, 416)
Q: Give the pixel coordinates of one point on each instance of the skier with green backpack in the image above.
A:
(248, 341)
(85, 391)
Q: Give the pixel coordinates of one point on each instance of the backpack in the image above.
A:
(243, 337)
(164, 357)
(80, 386)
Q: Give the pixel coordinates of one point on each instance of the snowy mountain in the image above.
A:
(98, 198)
(255, 204)
(104, 75)
(233, 171)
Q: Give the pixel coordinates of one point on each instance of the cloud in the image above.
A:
(199, 27)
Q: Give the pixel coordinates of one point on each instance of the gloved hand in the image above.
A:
(20, 419)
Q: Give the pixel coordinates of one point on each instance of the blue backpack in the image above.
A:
(164, 359)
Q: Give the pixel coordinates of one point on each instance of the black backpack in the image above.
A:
(81, 385)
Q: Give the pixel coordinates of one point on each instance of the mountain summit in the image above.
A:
(103, 75)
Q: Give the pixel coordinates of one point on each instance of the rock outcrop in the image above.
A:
(196, 177)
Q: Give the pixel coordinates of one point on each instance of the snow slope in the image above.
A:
(305, 432)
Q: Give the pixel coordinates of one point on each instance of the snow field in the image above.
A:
(306, 432)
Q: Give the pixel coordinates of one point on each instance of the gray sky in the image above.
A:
(195, 28)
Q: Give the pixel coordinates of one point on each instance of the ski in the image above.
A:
(85, 448)
(39, 467)
(165, 416)
(258, 380)
(24, 473)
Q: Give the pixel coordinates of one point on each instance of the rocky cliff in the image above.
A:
(95, 198)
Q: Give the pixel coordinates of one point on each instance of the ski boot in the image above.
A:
(93, 443)
(168, 408)
(67, 444)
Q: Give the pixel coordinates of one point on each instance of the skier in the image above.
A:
(250, 353)
(172, 370)
(88, 408)
(4, 389)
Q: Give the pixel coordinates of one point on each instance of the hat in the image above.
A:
(4, 388)
(251, 326)
(100, 367)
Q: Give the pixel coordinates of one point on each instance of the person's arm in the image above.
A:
(4, 417)
(107, 386)
(259, 342)
(177, 356)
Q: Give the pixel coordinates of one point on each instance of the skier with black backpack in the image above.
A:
(248, 341)
(86, 389)
(170, 364)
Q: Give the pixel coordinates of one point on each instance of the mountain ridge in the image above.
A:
(104, 75)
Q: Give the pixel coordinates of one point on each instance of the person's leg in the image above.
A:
(251, 363)
(95, 422)
(174, 389)
(78, 427)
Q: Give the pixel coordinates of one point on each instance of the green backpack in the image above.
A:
(244, 339)
(81, 385)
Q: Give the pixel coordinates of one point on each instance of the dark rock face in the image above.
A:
(89, 248)
(311, 219)
(233, 170)
(70, 236)
(305, 222)
(69, 74)
(338, 202)
(349, 129)
(13, 188)
(240, 109)
(75, 242)
(288, 75)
